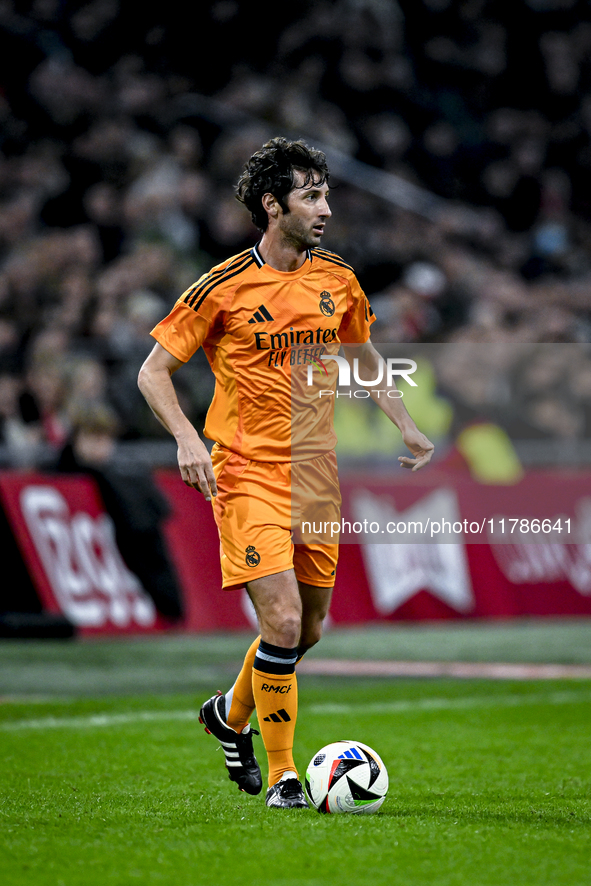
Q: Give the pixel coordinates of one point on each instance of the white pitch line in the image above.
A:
(471, 670)
(448, 704)
(98, 720)
(396, 707)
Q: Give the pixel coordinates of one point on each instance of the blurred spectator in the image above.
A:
(103, 208)
(19, 439)
(45, 402)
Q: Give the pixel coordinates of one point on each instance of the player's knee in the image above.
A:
(290, 629)
(285, 627)
(311, 635)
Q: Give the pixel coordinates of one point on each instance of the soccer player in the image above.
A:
(264, 318)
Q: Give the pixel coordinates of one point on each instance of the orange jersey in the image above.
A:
(264, 332)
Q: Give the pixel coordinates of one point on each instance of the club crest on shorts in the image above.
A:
(326, 304)
(253, 558)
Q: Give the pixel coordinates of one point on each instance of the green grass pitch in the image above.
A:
(490, 782)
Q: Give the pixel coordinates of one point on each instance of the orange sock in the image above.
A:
(276, 698)
(240, 700)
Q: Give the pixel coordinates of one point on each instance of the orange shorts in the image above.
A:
(267, 514)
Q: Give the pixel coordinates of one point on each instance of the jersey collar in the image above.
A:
(261, 261)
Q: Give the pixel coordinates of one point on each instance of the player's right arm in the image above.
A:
(155, 383)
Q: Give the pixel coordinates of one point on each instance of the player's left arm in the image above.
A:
(369, 362)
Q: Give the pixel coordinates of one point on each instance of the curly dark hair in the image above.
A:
(271, 171)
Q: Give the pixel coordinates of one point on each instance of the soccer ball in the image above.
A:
(346, 776)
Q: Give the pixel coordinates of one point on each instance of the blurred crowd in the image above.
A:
(121, 135)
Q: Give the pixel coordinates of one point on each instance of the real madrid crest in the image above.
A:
(326, 304)
(253, 558)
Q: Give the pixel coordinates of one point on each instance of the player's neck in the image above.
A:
(280, 254)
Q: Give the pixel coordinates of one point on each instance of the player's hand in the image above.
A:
(421, 447)
(195, 466)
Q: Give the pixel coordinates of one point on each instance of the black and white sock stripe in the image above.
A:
(275, 659)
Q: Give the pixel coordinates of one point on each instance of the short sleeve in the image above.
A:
(185, 329)
(355, 325)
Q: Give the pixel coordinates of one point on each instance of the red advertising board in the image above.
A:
(68, 544)
(540, 565)
(67, 541)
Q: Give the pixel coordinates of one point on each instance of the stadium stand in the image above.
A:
(459, 137)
